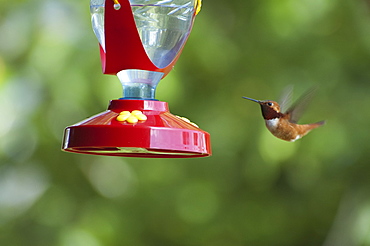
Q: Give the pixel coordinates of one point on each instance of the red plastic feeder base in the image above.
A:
(161, 135)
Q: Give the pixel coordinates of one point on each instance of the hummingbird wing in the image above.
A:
(297, 109)
(286, 98)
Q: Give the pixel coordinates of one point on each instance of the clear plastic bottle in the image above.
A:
(163, 27)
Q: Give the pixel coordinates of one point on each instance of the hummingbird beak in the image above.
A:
(251, 99)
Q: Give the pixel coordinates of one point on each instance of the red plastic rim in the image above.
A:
(162, 135)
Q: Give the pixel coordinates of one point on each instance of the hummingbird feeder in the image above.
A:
(140, 41)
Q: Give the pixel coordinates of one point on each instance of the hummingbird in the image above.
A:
(284, 125)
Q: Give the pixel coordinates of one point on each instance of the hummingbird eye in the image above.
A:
(270, 104)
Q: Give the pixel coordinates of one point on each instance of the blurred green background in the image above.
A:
(254, 190)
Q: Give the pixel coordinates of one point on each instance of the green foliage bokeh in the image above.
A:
(253, 190)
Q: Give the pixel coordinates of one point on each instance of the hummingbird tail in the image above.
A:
(317, 124)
